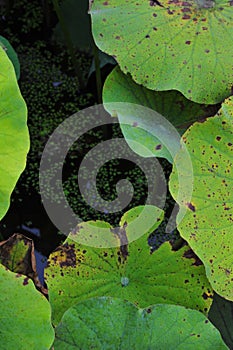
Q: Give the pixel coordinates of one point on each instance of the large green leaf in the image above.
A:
(208, 222)
(170, 44)
(221, 315)
(112, 324)
(11, 54)
(14, 140)
(180, 111)
(147, 132)
(142, 128)
(77, 272)
(25, 314)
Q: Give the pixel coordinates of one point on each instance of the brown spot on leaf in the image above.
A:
(186, 9)
(206, 296)
(186, 16)
(155, 2)
(66, 255)
(25, 281)
(158, 147)
(191, 206)
(189, 254)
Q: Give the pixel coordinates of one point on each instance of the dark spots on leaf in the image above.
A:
(204, 28)
(185, 9)
(218, 138)
(147, 36)
(206, 321)
(186, 16)
(229, 144)
(207, 51)
(105, 254)
(105, 3)
(158, 147)
(199, 66)
(206, 296)
(186, 3)
(135, 124)
(191, 206)
(154, 15)
(154, 28)
(67, 255)
(203, 19)
(188, 42)
(25, 281)
(189, 91)
(155, 2)
(117, 37)
(227, 208)
(186, 281)
(101, 35)
(148, 310)
(189, 254)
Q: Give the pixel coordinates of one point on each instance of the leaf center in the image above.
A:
(124, 281)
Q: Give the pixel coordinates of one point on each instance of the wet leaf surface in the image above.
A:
(107, 323)
(77, 272)
(170, 44)
(207, 224)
